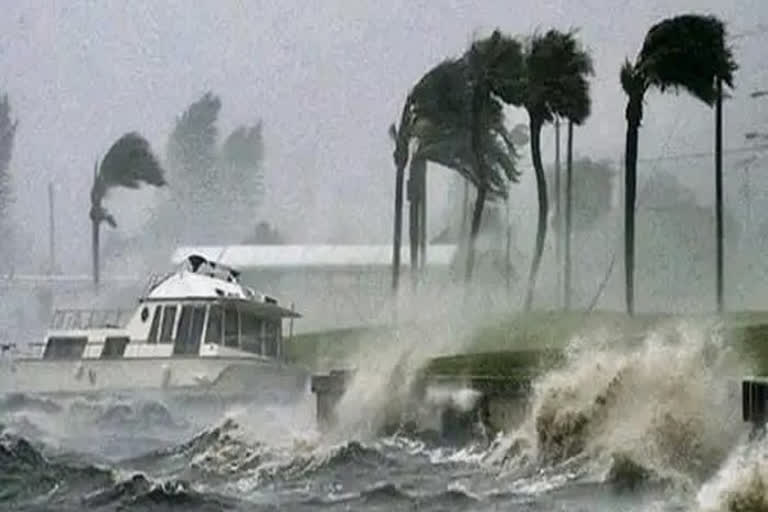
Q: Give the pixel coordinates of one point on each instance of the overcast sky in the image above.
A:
(327, 78)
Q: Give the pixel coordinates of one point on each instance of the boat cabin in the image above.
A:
(200, 310)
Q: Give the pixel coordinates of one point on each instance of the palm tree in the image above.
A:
(687, 51)
(436, 117)
(556, 72)
(495, 67)
(575, 106)
(400, 155)
(128, 163)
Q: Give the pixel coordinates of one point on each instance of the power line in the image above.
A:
(706, 154)
(702, 154)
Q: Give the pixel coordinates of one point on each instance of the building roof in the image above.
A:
(287, 256)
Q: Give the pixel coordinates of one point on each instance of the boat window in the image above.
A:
(114, 348)
(169, 318)
(250, 333)
(65, 348)
(231, 326)
(190, 329)
(215, 323)
(152, 338)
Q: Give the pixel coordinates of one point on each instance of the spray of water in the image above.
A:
(664, 408)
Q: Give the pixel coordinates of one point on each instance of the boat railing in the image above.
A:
(65, 319)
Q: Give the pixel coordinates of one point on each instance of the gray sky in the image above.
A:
(327, 78)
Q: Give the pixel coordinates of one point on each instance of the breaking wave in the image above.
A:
(661, 410)
(28, 476)
(741, 485)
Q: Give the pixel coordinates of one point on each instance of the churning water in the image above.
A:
(651, 426)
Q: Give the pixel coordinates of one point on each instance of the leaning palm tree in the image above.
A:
(575, 105)
(402, 139)
(128, 163)
(556, 70)
(686, 52)
(436, 121)
(495, 73)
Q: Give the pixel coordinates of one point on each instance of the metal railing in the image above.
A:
(65, 319)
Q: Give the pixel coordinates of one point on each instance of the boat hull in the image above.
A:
(220, 374)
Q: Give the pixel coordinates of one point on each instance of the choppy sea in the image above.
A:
(653, 427)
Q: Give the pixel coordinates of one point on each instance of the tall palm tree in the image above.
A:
(128, 163)
(401, 136)
(688, 52)
(495, 73)
(556, 72)
(575, 106)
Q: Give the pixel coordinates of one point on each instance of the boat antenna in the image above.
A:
(221, 254)
(218, 259)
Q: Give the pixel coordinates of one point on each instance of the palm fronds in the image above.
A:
(687, 51)
(129, 163)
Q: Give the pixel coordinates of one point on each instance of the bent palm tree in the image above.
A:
(495, 70)
(400, 155)
(128, 163)
(437, 118)
(686, 52)
(556, 71)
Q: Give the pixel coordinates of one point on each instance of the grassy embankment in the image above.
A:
(521, 345)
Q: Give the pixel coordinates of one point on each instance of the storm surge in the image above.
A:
(664, 408)
(649, 424)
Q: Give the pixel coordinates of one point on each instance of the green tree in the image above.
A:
(129, 163)
(192, 156)
(239, 173)
(686, 52)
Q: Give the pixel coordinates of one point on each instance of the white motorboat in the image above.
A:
(197, 327)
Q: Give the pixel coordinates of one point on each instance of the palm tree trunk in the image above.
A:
(634, 114)
(508, 249)
(480, 94)
(541, 231)
(558, 227)
(95, 250)
(477, 215)
(464, 210)
(415, 193)
(413, 223)
(398, 231)
(719, 192)
(568, 215)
